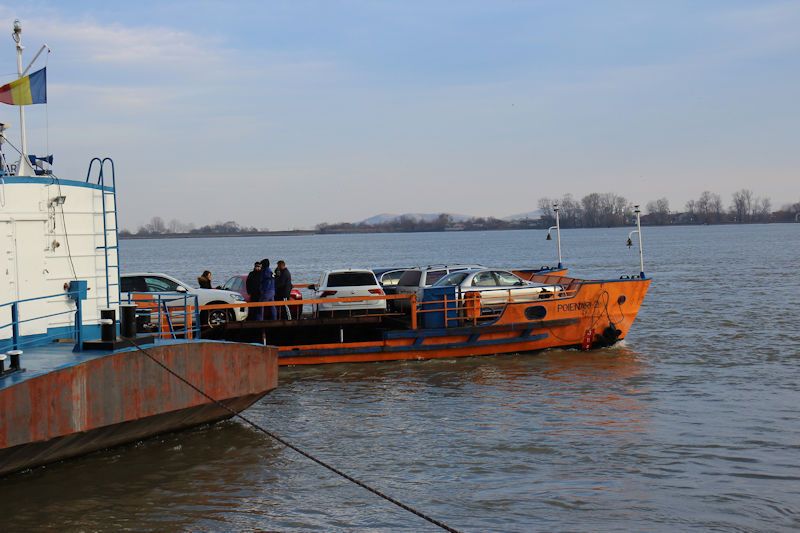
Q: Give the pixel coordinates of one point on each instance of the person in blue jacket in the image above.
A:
(268, 290)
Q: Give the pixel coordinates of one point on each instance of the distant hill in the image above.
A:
(534, 215)
(383, 218)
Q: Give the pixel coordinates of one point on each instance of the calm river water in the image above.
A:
(691, 424)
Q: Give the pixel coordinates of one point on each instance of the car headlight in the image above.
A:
(237, 297)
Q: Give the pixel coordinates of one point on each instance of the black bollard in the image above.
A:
(127, 320)
(108, 326)
(14, 356)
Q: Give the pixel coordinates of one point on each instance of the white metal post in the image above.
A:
(24, 168)
(641, 251)
(558, 235)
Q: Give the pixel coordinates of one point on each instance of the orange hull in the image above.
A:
(592, 314)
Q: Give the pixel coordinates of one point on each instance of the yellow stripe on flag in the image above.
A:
(21, 91)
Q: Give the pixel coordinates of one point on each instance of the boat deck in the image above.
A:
(47, 358)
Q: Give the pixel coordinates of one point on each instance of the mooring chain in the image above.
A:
(292, 446)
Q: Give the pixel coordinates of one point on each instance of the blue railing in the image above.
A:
(167, 312)
(18, 341)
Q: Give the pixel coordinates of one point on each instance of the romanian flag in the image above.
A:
(31, 89)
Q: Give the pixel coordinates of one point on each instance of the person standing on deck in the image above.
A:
(267, 289)
(204, 280)
(253, 286)
(283, 289)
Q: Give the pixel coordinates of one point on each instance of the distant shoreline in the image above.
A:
(290, 233)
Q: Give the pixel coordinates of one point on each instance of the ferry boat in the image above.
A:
(68, 384)
(449, 322)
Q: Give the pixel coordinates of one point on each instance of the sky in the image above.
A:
(282, 115)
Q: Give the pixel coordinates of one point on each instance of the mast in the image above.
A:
(24, 168)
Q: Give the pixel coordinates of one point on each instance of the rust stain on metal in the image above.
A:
(127, 386)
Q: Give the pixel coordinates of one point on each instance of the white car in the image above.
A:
(157, 282)
(345, 284)
(497, 287)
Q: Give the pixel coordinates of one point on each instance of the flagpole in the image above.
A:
(24, 168)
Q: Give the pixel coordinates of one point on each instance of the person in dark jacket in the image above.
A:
(204, 280)
(267, 290)
(253, 286)
(283, 288)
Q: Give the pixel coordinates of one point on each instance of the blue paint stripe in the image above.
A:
(468, 330)
(49, 180)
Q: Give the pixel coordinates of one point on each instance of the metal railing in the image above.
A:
(462, 309)
(18, 341)
(167, 314)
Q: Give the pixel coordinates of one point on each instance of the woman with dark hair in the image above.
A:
(267, 290)
(205, 280)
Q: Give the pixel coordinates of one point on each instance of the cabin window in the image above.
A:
(535, 312)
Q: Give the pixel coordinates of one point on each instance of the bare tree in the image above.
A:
(659, 211)
(762, 208)
(176, 226)
(715, 208)
(691, 209)
(571, 213)
(591, 210)
(545, 206)
(742, 205)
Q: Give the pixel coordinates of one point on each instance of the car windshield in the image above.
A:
(451, 279)
(351, 279)
(230, 283)
(410, 278)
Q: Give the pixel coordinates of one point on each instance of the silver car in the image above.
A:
(497, 287)
(414, 280)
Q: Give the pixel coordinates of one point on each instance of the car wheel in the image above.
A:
(216, 318)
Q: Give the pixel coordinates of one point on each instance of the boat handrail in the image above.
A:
(17, 340)
(65, 293)
(457, 304)
(169, 317)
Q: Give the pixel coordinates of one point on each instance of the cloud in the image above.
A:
(115, 43)
(764, 28)
(120, 99)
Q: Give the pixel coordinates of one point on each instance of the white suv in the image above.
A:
(348, 283)
(157, 282)
(414, 280)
